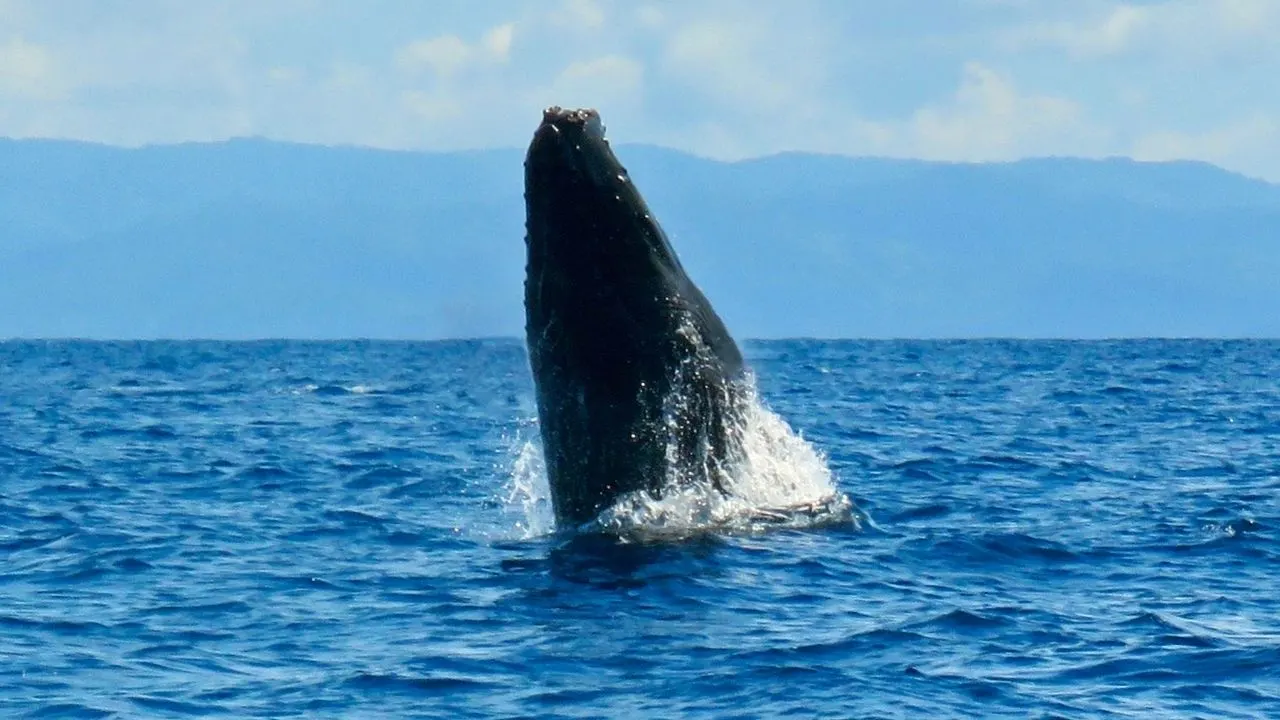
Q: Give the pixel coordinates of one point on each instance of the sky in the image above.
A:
(956, 80)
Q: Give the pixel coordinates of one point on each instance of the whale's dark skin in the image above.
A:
(639, 384)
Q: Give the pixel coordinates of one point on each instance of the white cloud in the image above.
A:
(28, 70)
(1114, 32)
(1251, 145)
(432, 107)
(579, 15)
(1250, 16)
(988, 119)
(1086, 77)
(1193, 28)
(497, 42)
(443, 55)
(284, 74)
(740, 63)
(345, 76)
(447, 55)
(605, 82)
(650, 16)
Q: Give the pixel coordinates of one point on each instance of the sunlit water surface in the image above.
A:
(356, 529)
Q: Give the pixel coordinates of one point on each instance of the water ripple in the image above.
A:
(289, 529)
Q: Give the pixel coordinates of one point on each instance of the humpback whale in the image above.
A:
(639, 385)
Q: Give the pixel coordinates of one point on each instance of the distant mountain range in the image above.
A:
(252, 238)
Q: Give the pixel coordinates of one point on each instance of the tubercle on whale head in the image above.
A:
(565, 120)
(570, 144)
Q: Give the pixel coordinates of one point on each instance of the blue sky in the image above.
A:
(939, 79)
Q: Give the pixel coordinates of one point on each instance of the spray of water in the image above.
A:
(528, 497)
(776, 479)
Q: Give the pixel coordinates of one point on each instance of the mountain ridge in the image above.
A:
(251, 238)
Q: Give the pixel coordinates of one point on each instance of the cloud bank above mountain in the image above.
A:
(974, 80)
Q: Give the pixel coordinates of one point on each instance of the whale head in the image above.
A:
(583, 214)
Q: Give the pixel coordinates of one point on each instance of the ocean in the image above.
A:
(275, 529)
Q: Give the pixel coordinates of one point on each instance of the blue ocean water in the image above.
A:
(288, 529)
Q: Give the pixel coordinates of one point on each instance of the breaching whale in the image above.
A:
(639, 385)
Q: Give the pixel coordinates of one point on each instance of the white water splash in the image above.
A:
(780, 481)
(528, 497)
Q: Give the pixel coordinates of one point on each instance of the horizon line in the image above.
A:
(668, 148)
(773, 339)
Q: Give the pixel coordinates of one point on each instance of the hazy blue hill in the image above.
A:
(251, 238)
